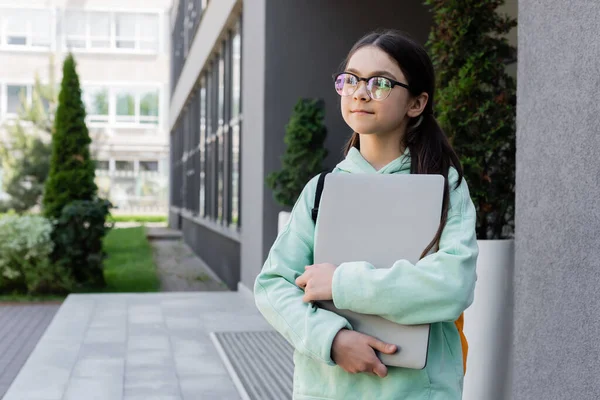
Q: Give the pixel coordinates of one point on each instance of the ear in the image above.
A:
(417, 105)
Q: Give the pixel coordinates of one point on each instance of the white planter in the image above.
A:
(284, 217)
(488, 324)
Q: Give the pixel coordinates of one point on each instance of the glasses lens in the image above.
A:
(379, 88)
(345, 84)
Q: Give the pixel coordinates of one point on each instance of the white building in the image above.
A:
(122, 52)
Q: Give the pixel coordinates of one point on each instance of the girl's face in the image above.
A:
(367, 116)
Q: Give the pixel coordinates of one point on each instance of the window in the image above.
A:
(122, 105)
(124, 165)
(149, 107)
(125, 30)
(128, 32)
(102, 165)
(26, 28)
(14, 96)
(99, 30)
(150, 166)
(76, 29)
(235, 123)
(125, 106)
(205, 144)
(96, 101)
(148, 32)
(202, 146)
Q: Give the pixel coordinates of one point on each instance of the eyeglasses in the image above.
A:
(378, 87)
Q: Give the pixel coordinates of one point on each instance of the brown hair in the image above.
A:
(430, 150)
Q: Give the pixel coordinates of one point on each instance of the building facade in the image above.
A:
(123, 61)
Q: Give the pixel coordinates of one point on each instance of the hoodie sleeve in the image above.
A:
(439, 287)
(309, 329)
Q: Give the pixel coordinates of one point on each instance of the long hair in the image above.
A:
(430, 150)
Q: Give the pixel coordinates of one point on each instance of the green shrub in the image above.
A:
(72, 170)
(476, 104)
(303, 159)
(78, 236)
(25, 264)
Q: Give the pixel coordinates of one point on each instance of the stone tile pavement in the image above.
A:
(136, 347)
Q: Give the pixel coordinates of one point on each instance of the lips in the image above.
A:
(361, 112)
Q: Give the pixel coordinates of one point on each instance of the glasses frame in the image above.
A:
(366, 80)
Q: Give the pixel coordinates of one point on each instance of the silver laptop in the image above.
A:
(380, 218)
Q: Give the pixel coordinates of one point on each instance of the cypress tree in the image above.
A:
(72, 171)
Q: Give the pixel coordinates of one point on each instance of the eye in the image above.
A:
(381, 83)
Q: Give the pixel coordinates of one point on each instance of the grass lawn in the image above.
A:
(137, 218)
(129, 266)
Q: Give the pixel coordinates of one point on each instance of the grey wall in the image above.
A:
(303, 44)
(252, 138)
(220, 253)
(557, 277)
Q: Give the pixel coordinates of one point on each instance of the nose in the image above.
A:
(361, 92)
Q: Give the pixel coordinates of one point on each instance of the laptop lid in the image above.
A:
(380, 218)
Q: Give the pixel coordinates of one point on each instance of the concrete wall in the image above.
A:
(252, 138)
(303, 45)
(557, 302)
(220, 253)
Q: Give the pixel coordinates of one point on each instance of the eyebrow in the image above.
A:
(374, 73)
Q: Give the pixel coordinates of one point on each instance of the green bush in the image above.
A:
(78, 235)
(303, 159)
(476, 104)
(25, 264)
(72, 170)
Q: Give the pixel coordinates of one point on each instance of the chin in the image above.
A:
(363, 130)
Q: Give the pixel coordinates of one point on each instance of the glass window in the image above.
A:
(148, 28)
(102, 165)
(149, 107)
(15, 28)
(14, 95)
(96, 102)
(125, 106)
(76, 29)
(202, 146)
(124, 165)
(125, 30)
(41, 29)
(237, 74)
(99, 30)
(151, 166)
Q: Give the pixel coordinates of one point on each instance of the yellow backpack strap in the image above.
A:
(460, 322)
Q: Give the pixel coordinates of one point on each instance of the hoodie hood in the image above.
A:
(354, 163)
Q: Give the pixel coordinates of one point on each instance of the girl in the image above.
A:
(387, 91)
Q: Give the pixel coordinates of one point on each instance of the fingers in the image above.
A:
(382, 347)
(380, 370)
(301, 281)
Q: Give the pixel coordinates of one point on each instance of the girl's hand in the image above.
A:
(316, 282)
(353, 351)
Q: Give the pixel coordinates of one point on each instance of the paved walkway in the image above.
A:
(21, 326)
(136, 347)
(179, 269)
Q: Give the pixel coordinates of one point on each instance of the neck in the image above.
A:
(380, 150)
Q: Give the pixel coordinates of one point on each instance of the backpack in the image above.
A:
(320, 183)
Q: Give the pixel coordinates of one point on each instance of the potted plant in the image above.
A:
(476, 106)
(303, 158)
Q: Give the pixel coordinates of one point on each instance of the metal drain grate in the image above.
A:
(260, 363)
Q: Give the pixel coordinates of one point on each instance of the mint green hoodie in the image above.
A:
(436, 290)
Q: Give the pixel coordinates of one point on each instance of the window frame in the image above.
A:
(113, 38)
(28, 31)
